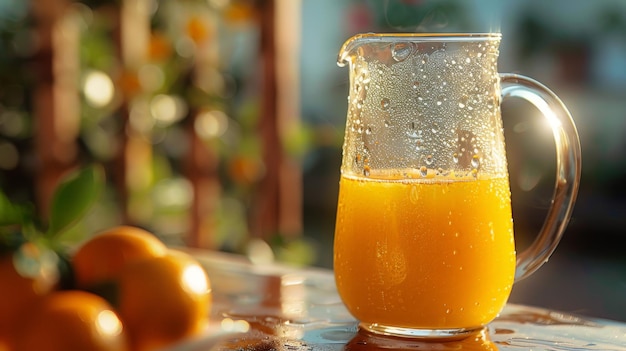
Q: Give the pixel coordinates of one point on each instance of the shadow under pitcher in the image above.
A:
(424, 243)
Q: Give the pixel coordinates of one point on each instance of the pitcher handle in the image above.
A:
(568, 168)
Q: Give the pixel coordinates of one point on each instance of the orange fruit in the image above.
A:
(26, 275)
(163, 300)
(72, 320)
(100, 259)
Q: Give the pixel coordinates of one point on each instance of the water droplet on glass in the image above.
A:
(366, 171)
(414, 194)
(401, 51)
(368, 130)
(448, 311)
(463, 101)
(413, 132)
(387, 123)
(384, 103)
(475, 161)
(455, 158)
(423, 171)
(429, 160)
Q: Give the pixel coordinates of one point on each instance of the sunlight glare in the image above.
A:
(194, 280)
(108, 323)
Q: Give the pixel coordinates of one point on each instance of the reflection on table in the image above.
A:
(272, 307)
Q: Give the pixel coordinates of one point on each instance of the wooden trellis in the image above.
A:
(277, 204)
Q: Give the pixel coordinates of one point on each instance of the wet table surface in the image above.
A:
(272, 307)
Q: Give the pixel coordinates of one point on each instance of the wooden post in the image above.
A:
(287, 35)
(134, 159)
(55, 98)
(278, 204)
(202, 161)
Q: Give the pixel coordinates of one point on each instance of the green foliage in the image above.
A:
(10, 213)
(73, 198)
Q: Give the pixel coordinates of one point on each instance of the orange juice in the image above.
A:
(424, 253)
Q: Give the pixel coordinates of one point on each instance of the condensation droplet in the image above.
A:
(401, 51)
(423, 171)
(368, 130)
(413, 132)
(429, 160)
(414, 194)
(475, 161)
(366, 171)
(463, 101)
(455, 158)
(385, 103)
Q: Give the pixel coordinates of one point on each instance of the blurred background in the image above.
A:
(220, 122)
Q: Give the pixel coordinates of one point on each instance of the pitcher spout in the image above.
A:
(348, 48)
(359, 43)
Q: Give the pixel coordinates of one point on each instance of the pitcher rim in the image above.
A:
(365, 38)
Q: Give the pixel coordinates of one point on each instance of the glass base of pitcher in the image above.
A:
(418, 333)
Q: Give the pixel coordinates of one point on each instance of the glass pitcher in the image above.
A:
(424, 243)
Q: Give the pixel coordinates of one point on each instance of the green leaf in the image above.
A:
(74, 197)
(9, 213)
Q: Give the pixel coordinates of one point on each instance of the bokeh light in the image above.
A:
(167, 109)
(211, 124)
(98, 88)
